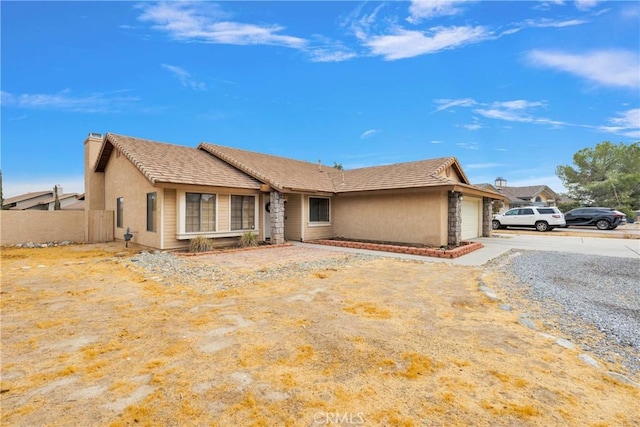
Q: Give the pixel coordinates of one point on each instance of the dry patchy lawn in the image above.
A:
(88, 341)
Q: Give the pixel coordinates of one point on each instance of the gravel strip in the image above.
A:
(593, 299)
(210, 277)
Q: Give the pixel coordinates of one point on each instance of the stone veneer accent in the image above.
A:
(277, 217)
(487, 213)
(454, 237)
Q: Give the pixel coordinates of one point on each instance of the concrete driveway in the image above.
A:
(500, 243)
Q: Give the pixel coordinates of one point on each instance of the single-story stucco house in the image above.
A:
(515, 197)
(42, 200)
(167, 194)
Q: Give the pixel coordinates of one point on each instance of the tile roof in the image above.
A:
(424, 173)
(284, 173)
(525, 193)
(175, 164)
(46, 201)
(279, 172)
(217, 165)
(77, 206)
(27, 196)
(519, 194)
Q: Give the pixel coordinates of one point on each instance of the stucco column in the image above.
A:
(277, 217)
(455, 218)
(487, 213)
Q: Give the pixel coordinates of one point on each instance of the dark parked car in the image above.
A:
(601, 218)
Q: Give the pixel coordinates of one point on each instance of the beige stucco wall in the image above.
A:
(451, 174)
(123, 179)
(412, 217)
(93, 181)
(41, 226)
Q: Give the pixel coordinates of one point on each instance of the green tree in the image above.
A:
(606, 175)
(338, 166)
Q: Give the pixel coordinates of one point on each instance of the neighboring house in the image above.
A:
(41, 200)
(167, 194)
(533, 195)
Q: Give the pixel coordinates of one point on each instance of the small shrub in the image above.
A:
(248, 240)
(201, 244)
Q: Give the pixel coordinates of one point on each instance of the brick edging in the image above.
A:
(438, 253)
(226, 251)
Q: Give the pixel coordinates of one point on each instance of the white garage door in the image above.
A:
(471, 209)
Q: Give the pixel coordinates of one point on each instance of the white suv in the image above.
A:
(542, 218)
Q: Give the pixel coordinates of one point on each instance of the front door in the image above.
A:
(267, 217)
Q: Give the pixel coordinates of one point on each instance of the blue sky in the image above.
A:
(511, 89)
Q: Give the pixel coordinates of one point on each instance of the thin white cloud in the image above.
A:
(184, 77)
(468, 145)
(518, 104)
(66, 101)
(369, 133)
(606, 67)
(206, 23)
(586, 4)
(403, 43)
(329, 55)
(425, 9)
(472, 126)
(627, 123)
(445, 104)
(437, 142)
(516, 111)
(552, 23)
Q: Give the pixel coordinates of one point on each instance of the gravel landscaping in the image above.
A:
(103, 335)
(595, 300)
(216, 272)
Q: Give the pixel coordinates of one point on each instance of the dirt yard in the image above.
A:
(91, 339)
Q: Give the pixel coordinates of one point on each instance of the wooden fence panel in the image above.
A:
(100, 226)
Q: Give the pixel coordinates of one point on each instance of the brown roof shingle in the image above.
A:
(284, 173)
(175, 164)
(424, 173)
(27, 196)
(279, 172)
(216, 165)
(519, 194)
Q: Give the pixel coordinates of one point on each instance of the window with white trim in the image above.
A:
(243, 212)
(200, 212)
(319, 209)
(119, 211)
(152, 208)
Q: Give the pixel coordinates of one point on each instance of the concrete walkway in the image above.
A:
(499, 244)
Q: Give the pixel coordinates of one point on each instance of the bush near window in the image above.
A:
(201, 244)
(247, 240)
